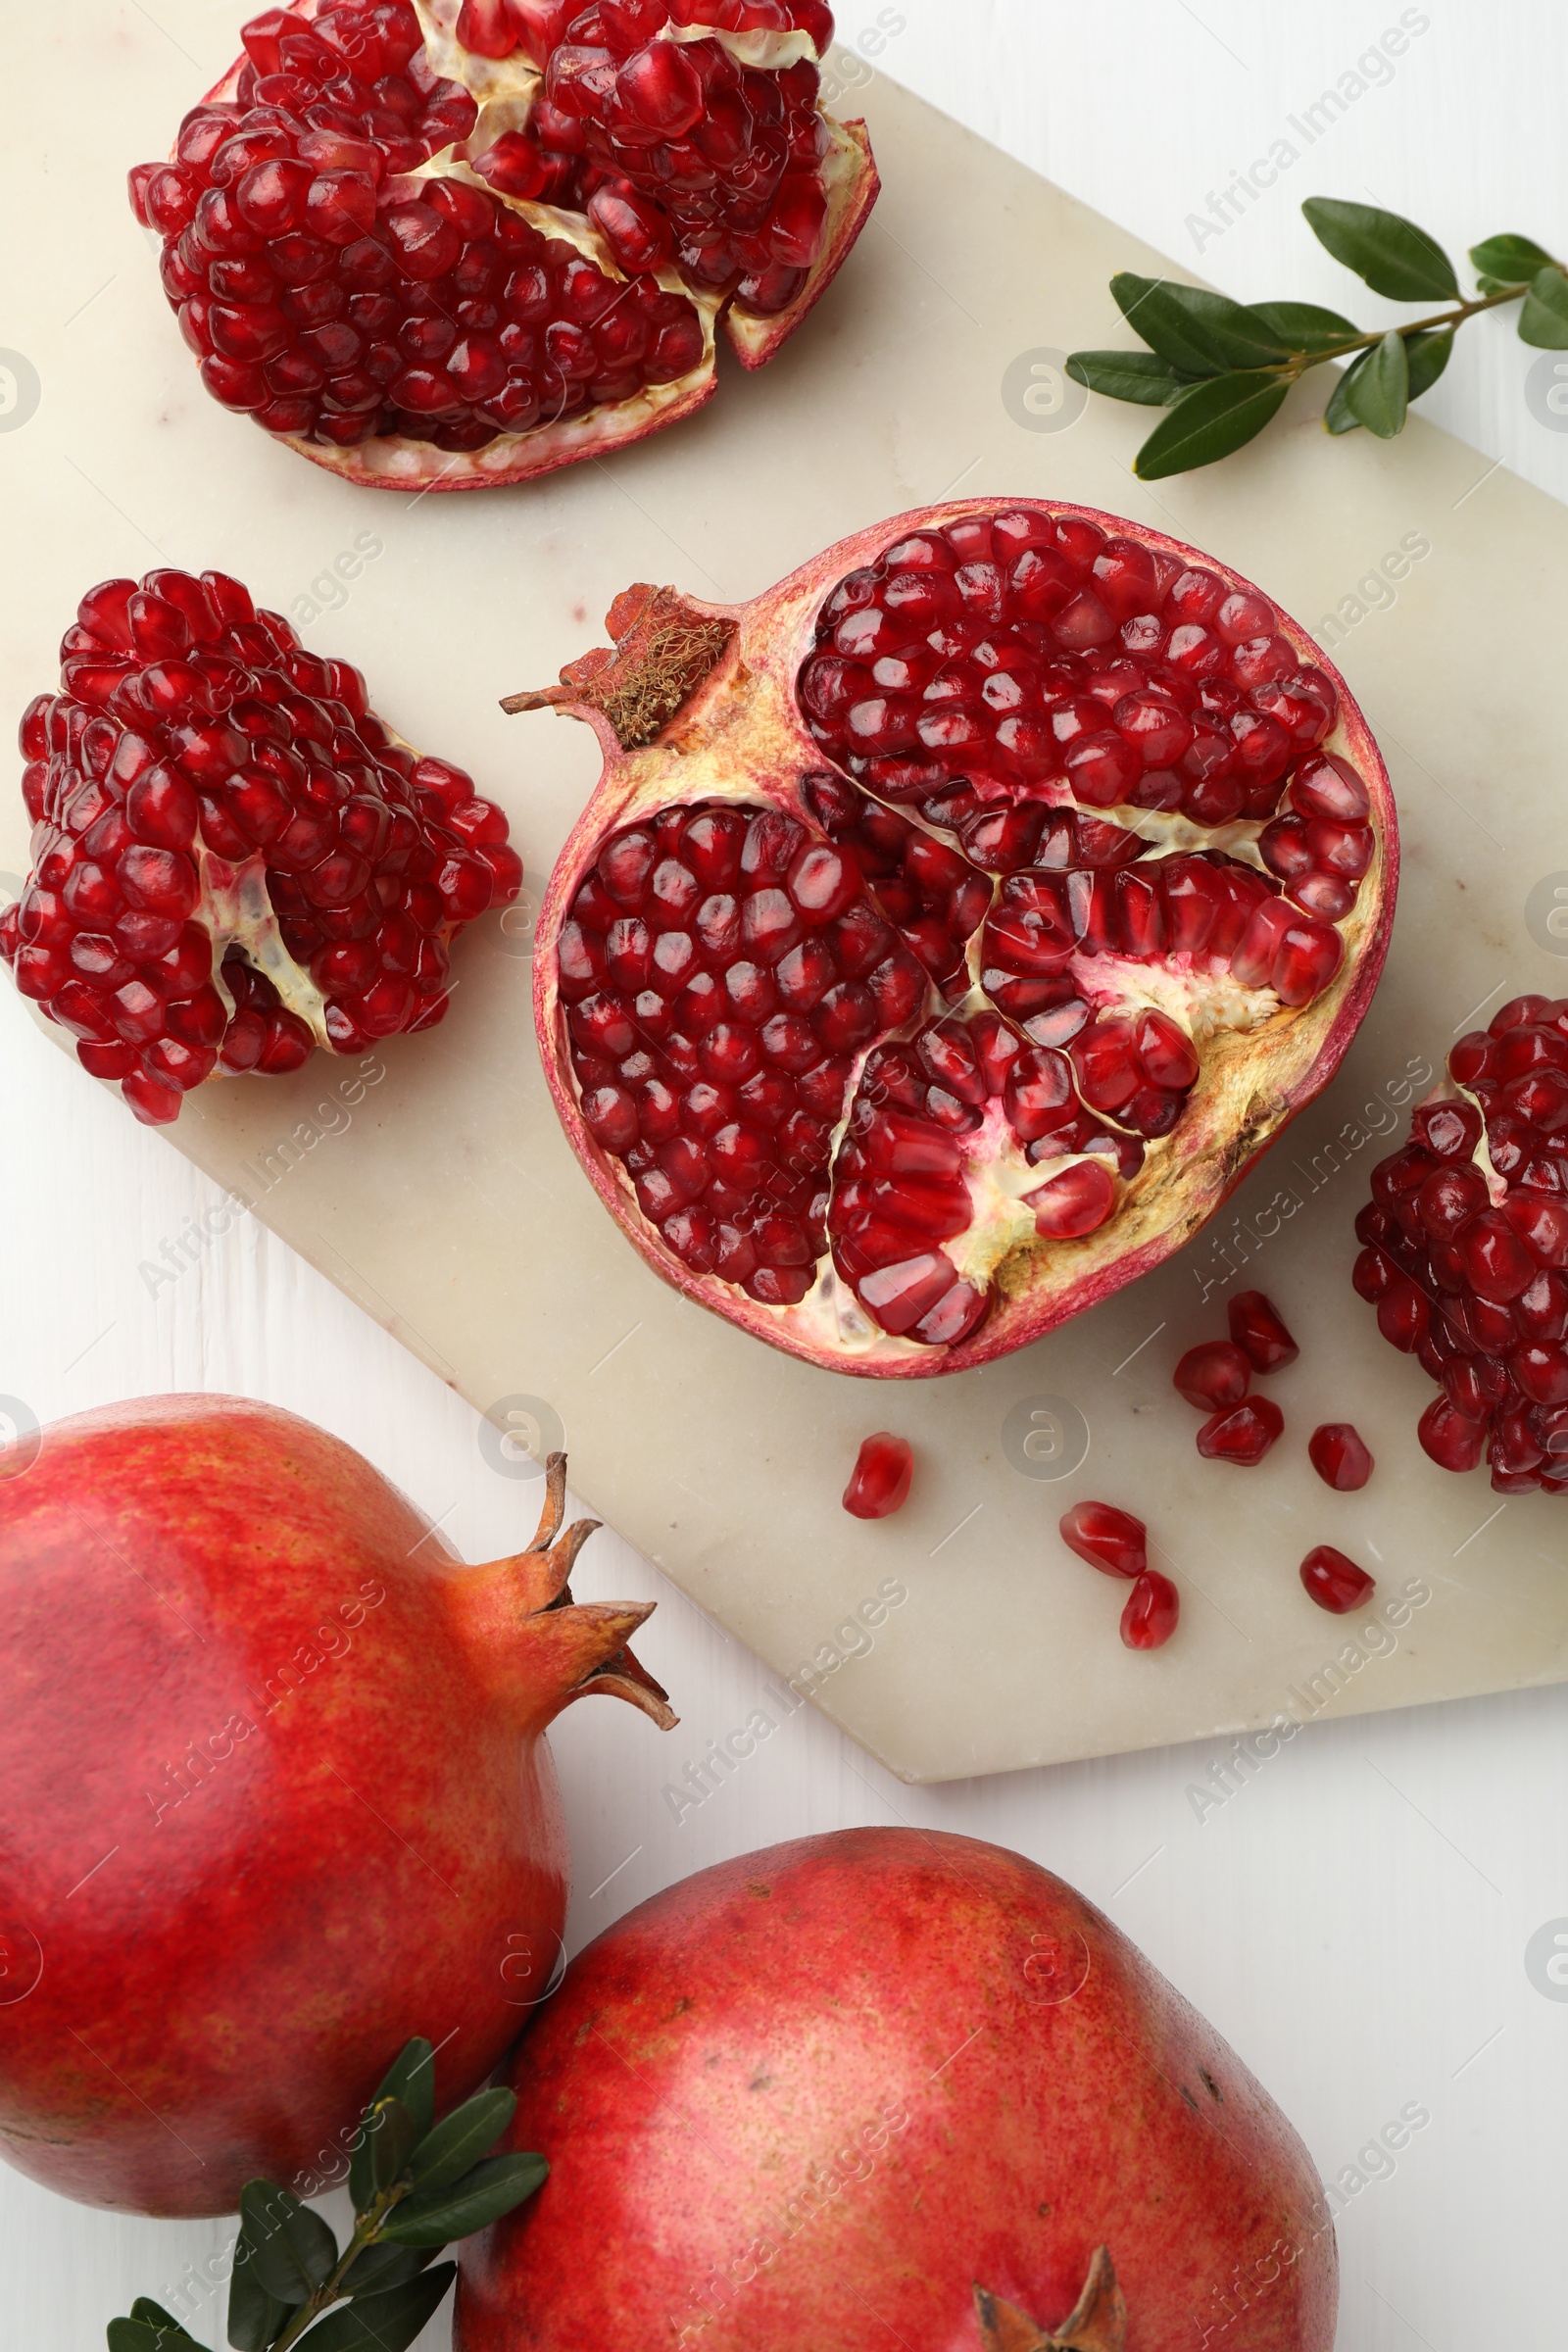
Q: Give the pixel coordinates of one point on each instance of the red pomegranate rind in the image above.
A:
(880, 1482)
(464, 245)
(1465, 1249)
(234, 861)
(1046, 1035)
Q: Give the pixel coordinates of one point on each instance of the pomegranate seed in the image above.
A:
(1339, 1456)
(1108, 1539)
(1242, 1434)
(880, 1482)
(1213, 1375)
(1257, 1328)
(1335, 1583)
(1153, 1605)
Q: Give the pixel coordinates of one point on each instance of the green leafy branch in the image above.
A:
(416, 2185)
(1220, 370)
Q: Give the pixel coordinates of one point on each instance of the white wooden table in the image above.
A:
(1357, 1918)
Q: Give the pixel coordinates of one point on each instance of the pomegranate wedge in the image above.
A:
(954, 924)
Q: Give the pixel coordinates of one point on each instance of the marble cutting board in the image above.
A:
(435, 1188)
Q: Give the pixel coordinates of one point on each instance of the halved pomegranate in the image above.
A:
(463, 242)
(234, 861)
(953, 926)
(1466, 1249)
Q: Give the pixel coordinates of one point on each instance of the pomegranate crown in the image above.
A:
(1098, 2322)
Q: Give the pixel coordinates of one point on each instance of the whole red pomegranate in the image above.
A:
(278, 1794)
(459, 244)
(234, 861)
(810, 2099)
(1466, 1249)
(954, 924)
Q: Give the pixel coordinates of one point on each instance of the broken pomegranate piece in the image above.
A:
(234, 861)
(898, 1062)
(880, 1482)
(1334, 1582)
(1465, 1249)
(462, 244)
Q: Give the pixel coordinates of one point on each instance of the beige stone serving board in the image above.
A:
(438, 1191)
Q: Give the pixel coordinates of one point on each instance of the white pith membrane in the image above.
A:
(506, 91)
(1475, 1285)
(739, 742)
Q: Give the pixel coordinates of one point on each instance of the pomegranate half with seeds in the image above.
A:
(463, 242)
(234, 861)
(953, 926)
(1465, 1253)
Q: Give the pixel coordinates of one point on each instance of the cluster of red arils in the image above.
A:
(1117, 1544)
(1217, 1376)
(376, 237)
(234, 861)
(1465, 1253)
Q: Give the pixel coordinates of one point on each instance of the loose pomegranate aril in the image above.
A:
(988, 967)
(1213, 1375)
(211, 901)
(1153, 1605)
(1339, 1454)
(1243, 1433)
(436, 331)
(1466, 1262)
(1334, 1582)
(880, 1482)
(1259, 1330)
(1108, 1539)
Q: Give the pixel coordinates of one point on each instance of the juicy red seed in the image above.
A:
(1339, 1454)
(1074, 1203)
(1243, 1433)
(1149, 1618)
(1108, 1537)
(1334, 1582)
(1259, 1330)
(880, 1482)
(1213, 1375)
(1454, 1440)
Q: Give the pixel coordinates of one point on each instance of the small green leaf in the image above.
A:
(381, 2266)
(1302, 327)
(459, 2140)
(1140, 375)
(1508, 260)
(1339, 416)
(411, 2078)
(292, 2249)
(1199, 332)
(481, 2197)
(1428, 356)
(1544, 320)
(149, 2329)
(1378, 395)
(384, 2323)
(1496, 285)
(1393, 254)
(385, 2140)
(1208, 421)
(255, 2318)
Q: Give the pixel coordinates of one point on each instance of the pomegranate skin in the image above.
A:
(372, 1844)
(699, 706)
(810, 2097)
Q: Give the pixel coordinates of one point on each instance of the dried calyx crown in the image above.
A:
(665, 647)
(1097, 2323)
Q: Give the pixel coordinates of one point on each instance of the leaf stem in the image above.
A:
(367, 2232)
(1299, 362)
